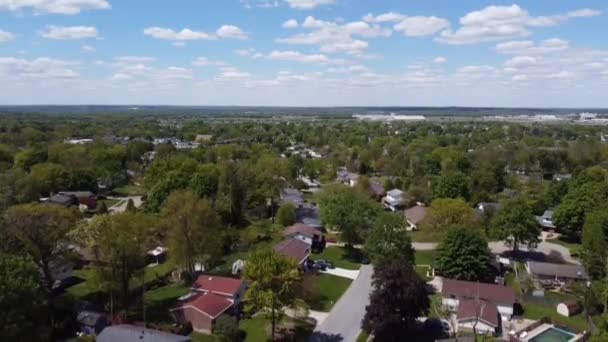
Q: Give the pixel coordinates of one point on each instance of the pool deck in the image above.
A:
(541, 329)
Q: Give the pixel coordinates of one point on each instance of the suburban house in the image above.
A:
(377, 190)
(91, 322)
(85, 198)
(347, 178)
(130, 333)
(309, 234)
(293, 196)
(309, 215)
(486, 304)
(546, 220)
(394, 200)
(414, 216)
(550, 275)
(210, 297)
(157, 255)
(295, 249)
(487, 208)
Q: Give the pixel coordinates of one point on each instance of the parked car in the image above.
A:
(325, 264)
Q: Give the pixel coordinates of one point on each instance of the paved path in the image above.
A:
(344, 320)
(121, 206)
(342, 272)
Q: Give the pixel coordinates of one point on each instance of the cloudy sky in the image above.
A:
(543, 53)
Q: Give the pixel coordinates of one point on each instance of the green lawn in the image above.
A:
(322, 291)
(573, 247)
(197, 337)
(128, 190)
(340, 257)
(538, 311)
(425, 257)
(426, 235)
(435, 304)
(363, 336)
(159, 301)
(422, 271)
(258, 330)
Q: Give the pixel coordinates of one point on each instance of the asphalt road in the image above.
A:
(546, 248)
(344, 320)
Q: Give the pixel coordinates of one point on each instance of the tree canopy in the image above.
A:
(464, 255)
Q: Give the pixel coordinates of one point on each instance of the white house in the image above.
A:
(486, 304)
(394, 200)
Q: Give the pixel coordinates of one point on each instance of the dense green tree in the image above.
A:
(286, 215)
(193, 230)
(464, 255)
(455, 185)
(157, 196)
(399, 297)
(349, 211)
(227, 328)
(205, 181)
(273, 281)
(119, 243)
(580, 200)
(595, 243)
(515, 223)
(389, 241)
(42, 230)
(49, 177)
(447, 212)
(23, 315)
(29, 157)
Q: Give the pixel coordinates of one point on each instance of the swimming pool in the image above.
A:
(553, 334)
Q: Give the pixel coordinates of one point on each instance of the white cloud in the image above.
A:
(527, 47)
(55, 6)
(87, 48)
(69, 32)
(6, 36)
(260, 3)
(333, 37)
(349, 69)
(231, 32)
(204, 61)
(36, 69)
(309, 4)
(231, 73)
(245, 52)
(291, 23)
(384, 18)
(584, 13)
(495, 23)
(183, 35)
(295, 56)
(521, 61)
(421, 26)
(439, 60)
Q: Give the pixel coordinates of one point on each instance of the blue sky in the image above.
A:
(541, 53)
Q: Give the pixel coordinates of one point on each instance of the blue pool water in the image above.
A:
(553, 335)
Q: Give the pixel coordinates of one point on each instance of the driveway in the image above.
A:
(121, 206)
(344, 320)
(342, 272)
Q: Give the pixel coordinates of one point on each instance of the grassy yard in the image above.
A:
(573, 247)
(197, 337)
(435, 304)
(322, 291)
(257, 329)
(538, 311)
(422, 272)
(425, 257)
(426, 235)
(159, 301)
(363, 336)
(340, 257)
(128, 190)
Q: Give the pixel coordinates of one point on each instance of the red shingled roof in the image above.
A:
(209, 304)
(218, 285)
(303, 229)
(486, 311)
(497, 294)
(293, 248)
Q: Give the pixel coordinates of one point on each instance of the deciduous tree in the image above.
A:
(274, 280)
(398, 298)
(389, 241)
(464, 255)
(286, 216)
(515, 223)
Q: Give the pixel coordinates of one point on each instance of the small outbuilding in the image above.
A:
(569, 309)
